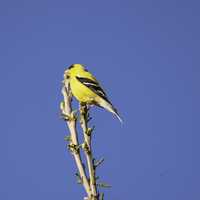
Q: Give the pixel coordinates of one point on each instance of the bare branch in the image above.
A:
(89, 183)
(71, 122)
(87, 132)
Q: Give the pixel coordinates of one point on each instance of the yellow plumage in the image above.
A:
(86, 89)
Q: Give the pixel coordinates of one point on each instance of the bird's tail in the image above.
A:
(109, 107)
(115, 112)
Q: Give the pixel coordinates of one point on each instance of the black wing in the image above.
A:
(94, 86)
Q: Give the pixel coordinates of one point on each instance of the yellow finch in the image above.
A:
(86, 89)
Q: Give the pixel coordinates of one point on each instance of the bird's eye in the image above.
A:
(86, 70)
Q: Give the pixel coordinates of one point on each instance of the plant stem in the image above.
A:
(71, 122)
(84, 115)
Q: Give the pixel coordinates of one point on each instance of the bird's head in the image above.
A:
(74, 70)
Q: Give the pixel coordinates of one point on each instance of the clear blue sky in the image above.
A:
(146, 55)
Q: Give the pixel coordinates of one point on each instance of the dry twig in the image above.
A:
(74, 146)
(70, 117)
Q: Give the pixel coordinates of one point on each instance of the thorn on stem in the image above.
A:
(98, 162)
(67, 138)
(79, 178)
(101, 196)
(89, 131)
(89, 119)
(104, 185)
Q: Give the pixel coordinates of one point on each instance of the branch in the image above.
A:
(70, 118)
(87, 132)
(89, 183)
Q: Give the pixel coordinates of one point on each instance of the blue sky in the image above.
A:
(146, 56)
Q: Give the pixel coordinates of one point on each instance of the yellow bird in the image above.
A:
(86, 89)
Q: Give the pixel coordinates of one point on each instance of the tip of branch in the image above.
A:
(98, 162)
(104, 185)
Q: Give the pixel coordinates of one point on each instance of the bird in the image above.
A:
(87, 90)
